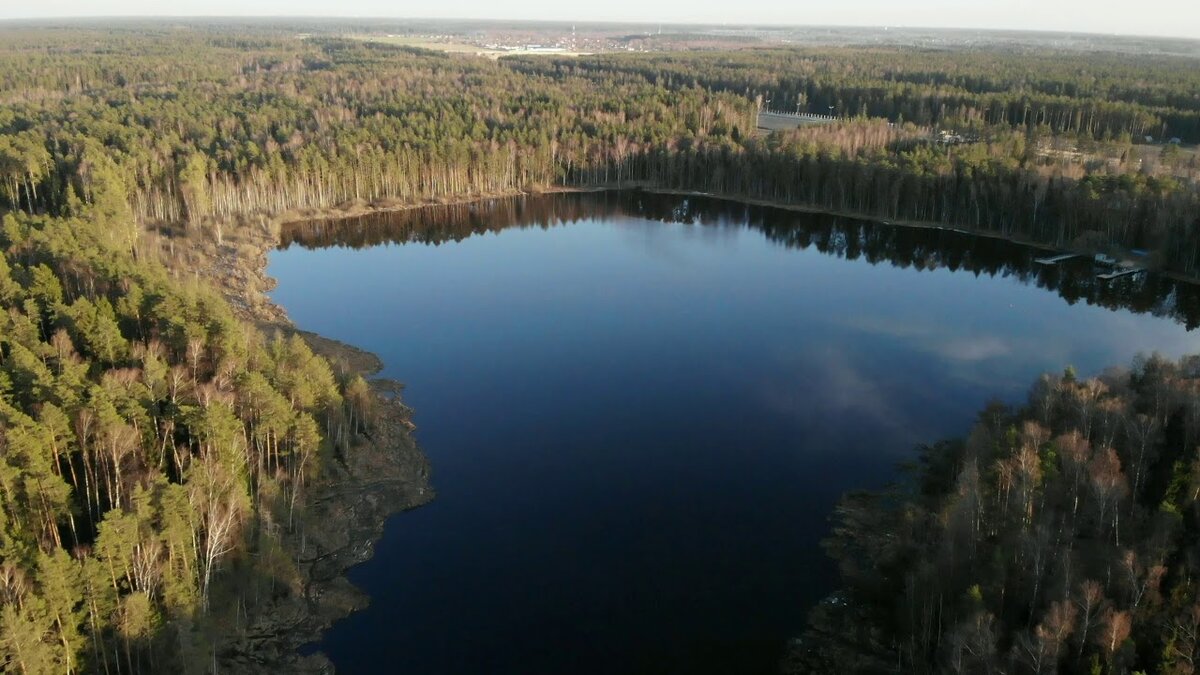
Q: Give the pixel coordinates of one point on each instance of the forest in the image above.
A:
(1057, 537)
(149, 438)
(156, 447)
(206, 127)
(1100, 95)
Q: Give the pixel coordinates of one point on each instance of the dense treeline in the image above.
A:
(199, 127)
(214, 128)
(1057, 538)
(1094, 94)
(1002, 184)
(149, 440)
(189, 121)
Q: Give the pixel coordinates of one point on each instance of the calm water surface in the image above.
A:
(641, 410)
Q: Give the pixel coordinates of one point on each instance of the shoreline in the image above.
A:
(364, 208)
(856, 215)
(392, 474)
(915, 224)
(349, 507)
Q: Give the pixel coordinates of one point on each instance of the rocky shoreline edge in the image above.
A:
(344, 516)
(348, 506)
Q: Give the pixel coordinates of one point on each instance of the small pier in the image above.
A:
(1109, 268)
(1054, 260)
(1121, 272)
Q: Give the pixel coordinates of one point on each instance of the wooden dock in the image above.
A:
(1054, 260)
(1125, 268)
(1117, 274)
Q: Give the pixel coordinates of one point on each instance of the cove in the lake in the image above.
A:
(640, 410)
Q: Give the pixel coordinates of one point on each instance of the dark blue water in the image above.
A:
(638, 427)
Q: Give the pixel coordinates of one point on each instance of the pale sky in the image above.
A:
(1179, 18)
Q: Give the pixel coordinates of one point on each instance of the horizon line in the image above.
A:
(617, 22)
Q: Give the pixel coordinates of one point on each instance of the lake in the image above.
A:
(640, 410)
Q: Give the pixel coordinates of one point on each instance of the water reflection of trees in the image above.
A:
(905, 247)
